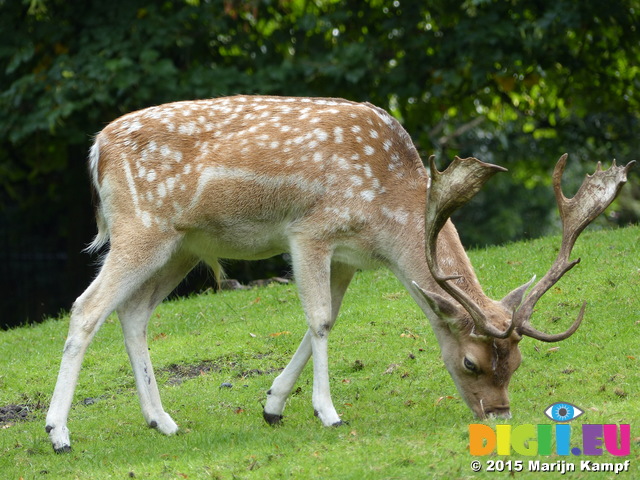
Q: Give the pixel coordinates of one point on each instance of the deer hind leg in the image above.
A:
(340, 277)
(134, 317)
(112, 286)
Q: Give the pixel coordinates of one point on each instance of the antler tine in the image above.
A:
(448, 191)
(594, 195)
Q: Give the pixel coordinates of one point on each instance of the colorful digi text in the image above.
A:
(590, 443)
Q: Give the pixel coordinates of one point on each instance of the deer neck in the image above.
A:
(410, 264)
(455, 261)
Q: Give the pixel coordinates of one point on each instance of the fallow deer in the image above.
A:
(337, 184)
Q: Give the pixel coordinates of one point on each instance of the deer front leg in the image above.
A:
(322, 404)
(312, 269)
(282, 386)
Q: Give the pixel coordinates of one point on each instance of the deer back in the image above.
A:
(246, 171)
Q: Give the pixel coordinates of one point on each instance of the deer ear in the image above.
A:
(445, 309)
(514, 299)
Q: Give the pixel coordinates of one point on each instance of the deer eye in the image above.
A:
(469, 365)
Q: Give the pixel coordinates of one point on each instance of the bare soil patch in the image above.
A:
(178, 373)
(10, 414)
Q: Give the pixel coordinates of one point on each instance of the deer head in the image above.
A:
(480, 346)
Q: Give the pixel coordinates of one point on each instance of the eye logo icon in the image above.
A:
(563, 412)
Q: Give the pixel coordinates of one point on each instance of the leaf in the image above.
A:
(391, 368)
(23, 55)
(409, 335)
(149, 56)
(279, 333)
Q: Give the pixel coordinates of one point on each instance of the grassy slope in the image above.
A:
(409, 423)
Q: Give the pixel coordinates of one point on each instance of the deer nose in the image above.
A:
(498, 412)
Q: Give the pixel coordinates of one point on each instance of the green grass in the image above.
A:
(409, 423)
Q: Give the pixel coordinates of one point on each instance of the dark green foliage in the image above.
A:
(516, 83)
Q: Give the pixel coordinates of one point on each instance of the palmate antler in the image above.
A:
(451, 189)
(594, 195)
(448, 191)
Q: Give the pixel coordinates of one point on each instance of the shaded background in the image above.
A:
(515, 83)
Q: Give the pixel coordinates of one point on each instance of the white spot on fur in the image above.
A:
(165, 151)
(134, 126)
(356, 181)
(398, 215)
(188, 128)
(146, 219)
(369, 150)
(368, 195)
(337, 133)
(321, 134)
(341, 161)
(341, 213)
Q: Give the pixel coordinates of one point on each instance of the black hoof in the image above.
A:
(64, 449)
(272, 418)
(337, 424)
